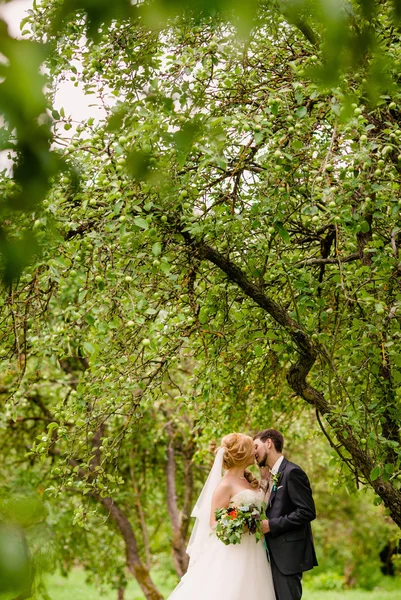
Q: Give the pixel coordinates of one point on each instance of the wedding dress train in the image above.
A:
(233, 572)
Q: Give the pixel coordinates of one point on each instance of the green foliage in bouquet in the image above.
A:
(232, 522)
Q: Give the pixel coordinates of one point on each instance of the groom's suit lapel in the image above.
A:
(274, 491)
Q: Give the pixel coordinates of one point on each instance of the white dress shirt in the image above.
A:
(276, 465)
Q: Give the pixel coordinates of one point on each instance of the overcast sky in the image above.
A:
(71, 98)
(76, 105)
(13, 12)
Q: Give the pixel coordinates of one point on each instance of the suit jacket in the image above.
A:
(290, 511)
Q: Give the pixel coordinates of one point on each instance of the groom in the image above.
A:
(290, 509)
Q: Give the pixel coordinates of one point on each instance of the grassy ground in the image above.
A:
(388, 588)
(75, 587)
(379, 593)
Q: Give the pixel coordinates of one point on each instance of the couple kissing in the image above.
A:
(252, 538)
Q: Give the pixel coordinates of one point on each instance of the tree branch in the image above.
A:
(298, 373)
(292, 17)
(311, 262)
(308, 351)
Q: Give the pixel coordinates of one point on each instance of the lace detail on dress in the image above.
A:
(247, 497)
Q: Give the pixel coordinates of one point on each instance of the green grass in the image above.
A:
(379, 593)
(74, 587)
(388, 588)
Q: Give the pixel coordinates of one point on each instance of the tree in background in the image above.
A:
(238, 208)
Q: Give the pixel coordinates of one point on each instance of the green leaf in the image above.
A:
(142, 223)
(157, 248)
(184, 139)
(90, 319)
(364, 227)
(301, 112)
(258, 350)
(297, 144)
(89, 348)
(203, 315)
(282, 232)
(376, 473)
(138, 164)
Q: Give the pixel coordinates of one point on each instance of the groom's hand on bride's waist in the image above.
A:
(265, 526)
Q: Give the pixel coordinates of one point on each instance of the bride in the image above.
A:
(217, 571)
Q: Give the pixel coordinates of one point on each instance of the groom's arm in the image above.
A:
(300, 493)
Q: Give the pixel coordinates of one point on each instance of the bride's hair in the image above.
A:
(238, 449)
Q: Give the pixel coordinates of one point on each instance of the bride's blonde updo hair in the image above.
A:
(238, 449)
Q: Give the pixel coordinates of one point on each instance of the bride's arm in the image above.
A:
(220, 499)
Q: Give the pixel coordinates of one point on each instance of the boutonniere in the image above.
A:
(275, 479)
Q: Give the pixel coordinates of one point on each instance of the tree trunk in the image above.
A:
(179, 519)
(140, 512)
(134, 563)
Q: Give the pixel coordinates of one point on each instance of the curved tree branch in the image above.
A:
(298, 373)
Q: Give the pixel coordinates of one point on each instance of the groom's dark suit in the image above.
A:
(290, 510)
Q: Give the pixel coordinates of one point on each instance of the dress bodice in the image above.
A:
(247, 497)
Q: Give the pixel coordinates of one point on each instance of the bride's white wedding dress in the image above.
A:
(231, 572)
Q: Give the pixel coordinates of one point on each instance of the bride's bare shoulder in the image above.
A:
(226, 486)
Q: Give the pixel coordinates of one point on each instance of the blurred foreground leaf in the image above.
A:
(15, 568)
(26, 132)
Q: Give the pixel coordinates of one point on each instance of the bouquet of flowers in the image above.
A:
(232, 522)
